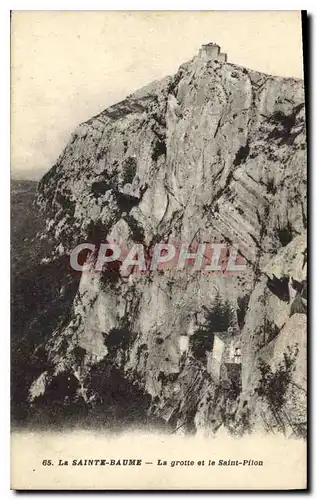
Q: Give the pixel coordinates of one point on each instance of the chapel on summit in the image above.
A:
(212, 51)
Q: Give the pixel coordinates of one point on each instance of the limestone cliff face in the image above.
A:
(215, 153)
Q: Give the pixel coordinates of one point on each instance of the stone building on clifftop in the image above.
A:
(212, 51)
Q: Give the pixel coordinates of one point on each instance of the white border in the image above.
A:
(158, 5)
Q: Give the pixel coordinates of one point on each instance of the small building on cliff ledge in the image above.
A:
(224, 359)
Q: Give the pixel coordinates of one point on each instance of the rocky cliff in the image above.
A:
(216, 152)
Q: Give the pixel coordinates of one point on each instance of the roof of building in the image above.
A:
(211, 44)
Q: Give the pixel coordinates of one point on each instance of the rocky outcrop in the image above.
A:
(215, 153)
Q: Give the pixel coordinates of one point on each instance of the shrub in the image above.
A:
(271, 330)
(221, 316)
(219, 319)
(284, 234)
(100, 188)
(119, 338)
(129, 171)
(241, 155)
(273, 385)
(243, 303)
(159, 149)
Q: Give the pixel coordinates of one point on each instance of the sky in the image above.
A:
(67, 66)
